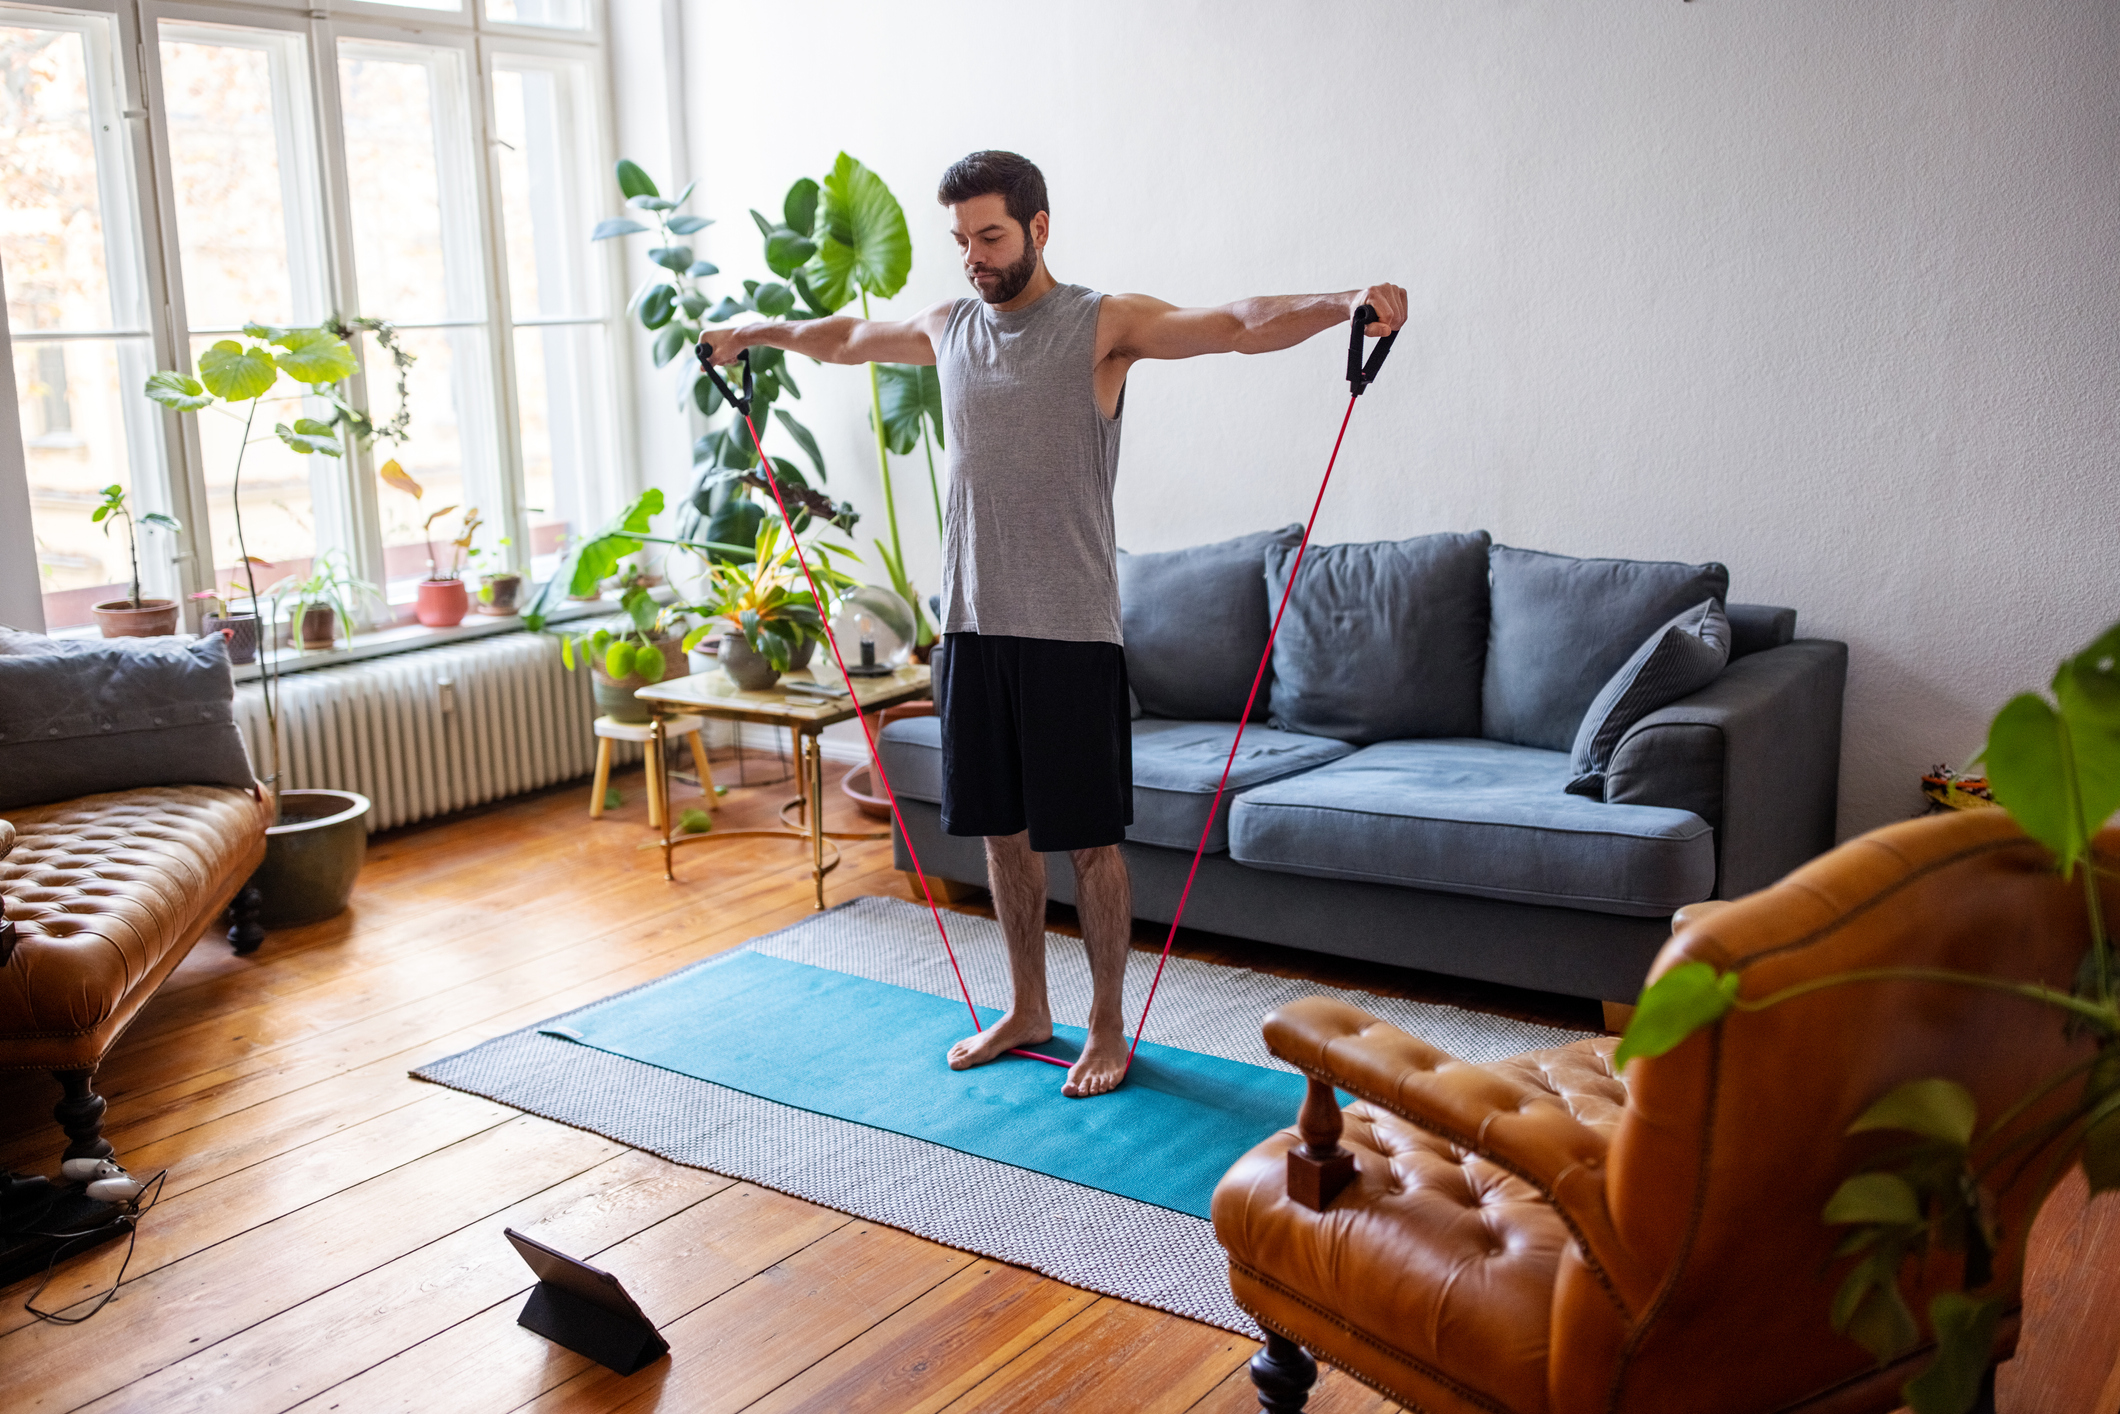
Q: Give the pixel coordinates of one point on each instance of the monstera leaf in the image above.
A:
(910, 393)
(862, 243)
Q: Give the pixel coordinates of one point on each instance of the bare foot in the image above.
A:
(1101, 1067)
(999, 1039)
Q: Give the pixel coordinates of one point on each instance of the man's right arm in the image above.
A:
(837, 338)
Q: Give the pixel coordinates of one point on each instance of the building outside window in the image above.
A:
(258, 163)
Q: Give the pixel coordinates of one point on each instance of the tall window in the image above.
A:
(77, 306)
(441, 175)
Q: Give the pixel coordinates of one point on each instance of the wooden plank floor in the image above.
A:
(328, 1238)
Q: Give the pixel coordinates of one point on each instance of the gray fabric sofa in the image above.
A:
(1406, 789)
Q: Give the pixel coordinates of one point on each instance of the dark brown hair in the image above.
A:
(1016, 180)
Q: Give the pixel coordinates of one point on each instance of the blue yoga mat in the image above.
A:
(873, 1053)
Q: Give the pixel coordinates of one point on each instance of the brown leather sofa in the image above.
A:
(103, 897)
(1542, 1234)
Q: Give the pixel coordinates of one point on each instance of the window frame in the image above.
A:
(345, 495)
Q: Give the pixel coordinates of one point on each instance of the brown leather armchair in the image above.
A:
(1542, 1234)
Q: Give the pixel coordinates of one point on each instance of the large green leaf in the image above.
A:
(799, 208)
(862, 242)
(656, 308)
(804, 440)
(1675, 1006)
(786, 251)
(909, 393)
(687, 225)
(2026, 770)
(1965, 1343)
(1869, 1310)
(633, 181)
(2088, 688)
(672, 257)
(308, 435)
(1935, 1109)
(774, 300)
(668, 342)
(177, 392)
(736, 522)
(315, 356)
(235, 373)
(1874, 1198)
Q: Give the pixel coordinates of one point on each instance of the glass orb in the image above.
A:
(875, 629)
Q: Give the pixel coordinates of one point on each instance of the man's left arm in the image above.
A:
(1141, 326)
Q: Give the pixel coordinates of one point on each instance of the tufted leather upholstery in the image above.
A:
(107, 893)
(1541, 1235)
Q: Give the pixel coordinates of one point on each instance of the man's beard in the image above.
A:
(1013, 279)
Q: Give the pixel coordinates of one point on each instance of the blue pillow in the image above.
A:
(1195, 625)
(1677, 660)
(1561, 627)
(83, 715)
(1381, 641)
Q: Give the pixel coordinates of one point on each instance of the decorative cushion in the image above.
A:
(1677, 660)
(1475, 817)
(78, 716)
(1561, 627)
(1381, 641)
(1195, 624)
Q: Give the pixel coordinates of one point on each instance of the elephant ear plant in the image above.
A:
(236, 373)
(2053, 761)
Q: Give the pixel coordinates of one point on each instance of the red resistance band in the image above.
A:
(1359, 377)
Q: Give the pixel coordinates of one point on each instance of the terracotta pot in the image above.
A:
(614, 696)
(319, 627)
(154, 618)
(746, 667)
(241, 631)
(442, 603)
(312, 856)
(497, 592)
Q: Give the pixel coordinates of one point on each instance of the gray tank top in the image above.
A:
(1027, 543)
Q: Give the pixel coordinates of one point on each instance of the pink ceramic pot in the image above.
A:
(442, 603)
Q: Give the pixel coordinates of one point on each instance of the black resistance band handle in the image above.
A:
(1359, 377)
(705, 351)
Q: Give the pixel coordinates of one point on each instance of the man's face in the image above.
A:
(998, 258)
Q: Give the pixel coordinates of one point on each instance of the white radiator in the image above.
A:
(426, 733)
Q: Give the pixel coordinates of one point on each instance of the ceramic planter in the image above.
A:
(497, 592)
(311, 857)
(442, 603)
(318, 627)
(119, 619)
(614, 696)
(242, 632)
(746, 667)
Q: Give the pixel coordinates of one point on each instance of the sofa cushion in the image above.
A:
(1560, 628)
(1475, 817)
(78, 716)
(1195, 625)
(1176, 765)
(1381, 641)
(1675, 661)
(1754, 628)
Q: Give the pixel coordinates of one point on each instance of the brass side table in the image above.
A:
(713, 694)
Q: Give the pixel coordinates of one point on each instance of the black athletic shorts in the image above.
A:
(1036, 736)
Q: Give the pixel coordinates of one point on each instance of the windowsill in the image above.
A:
(412, 638)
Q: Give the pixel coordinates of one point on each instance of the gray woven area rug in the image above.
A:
(1088, 1238)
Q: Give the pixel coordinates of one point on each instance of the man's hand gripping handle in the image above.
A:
(1359, 375)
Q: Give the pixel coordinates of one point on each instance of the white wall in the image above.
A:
(1828, 292)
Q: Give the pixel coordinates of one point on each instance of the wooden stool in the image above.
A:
(610, 729)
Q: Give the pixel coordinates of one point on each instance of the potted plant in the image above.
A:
(764, 611)
(646, 647)
(241, 630)
(328, 596)
(2054, 764)
(132, 616)
(442, 602)
(499, 588)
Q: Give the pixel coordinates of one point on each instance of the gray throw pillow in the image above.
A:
(1195, 625)
(82, 715)
(1679, 659)
(1381, 641)
(1561, 627)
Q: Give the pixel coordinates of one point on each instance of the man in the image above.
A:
(1036, 740)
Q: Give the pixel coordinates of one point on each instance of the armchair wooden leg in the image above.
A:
(80, 1114)
(1318, 1168)
(1283, 1372)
